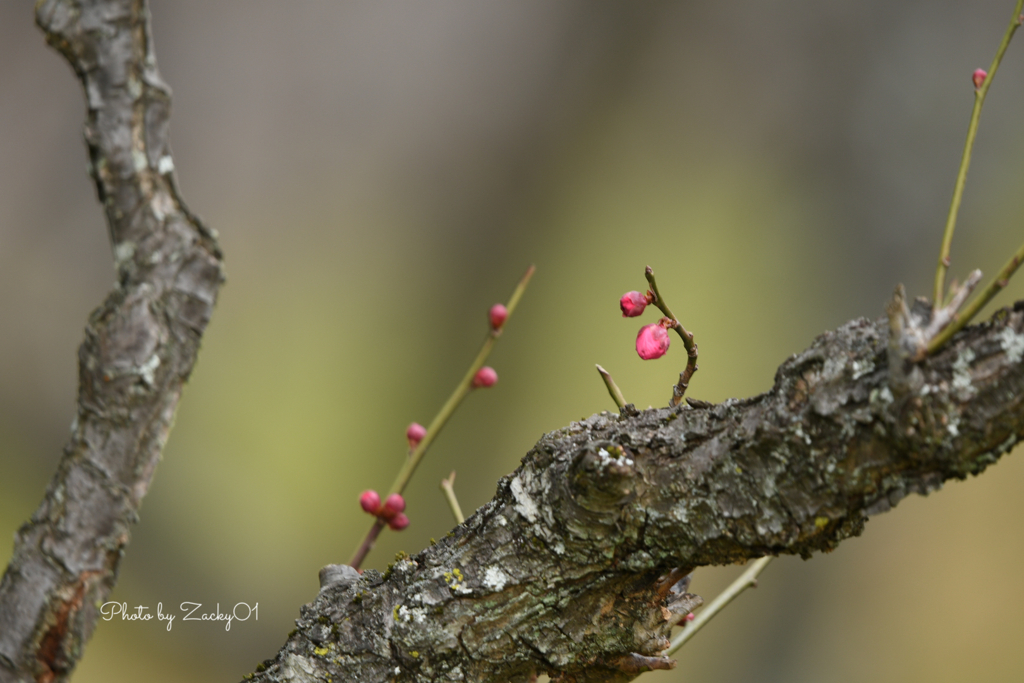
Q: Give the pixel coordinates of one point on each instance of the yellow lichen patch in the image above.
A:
(821, 522)
(454, 578)
(320, 651)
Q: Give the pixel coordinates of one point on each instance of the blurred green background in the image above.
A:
(382, 172)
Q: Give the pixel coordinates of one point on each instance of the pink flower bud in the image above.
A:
(498, 314)
(398, 522)
(485, 377)
(652, 340)
(634, 303)
(392, 506)
(415, 434)
(370, 501)
(979, 77)
(689, 617)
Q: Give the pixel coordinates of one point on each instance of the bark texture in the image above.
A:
(140, 344)
(572, 568)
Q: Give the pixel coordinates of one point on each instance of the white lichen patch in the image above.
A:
(495, 578)
(859, 368)
(802, 435)
(607, 459)
(139, 159)
(881, 397)
(954, 424)
(525, 505)
(1012, 344)
(147, 369)
(680, 513)
(832, 368)
(404, 615)
(124, 252)
(165, 165)
(962, 374)
(299, 669)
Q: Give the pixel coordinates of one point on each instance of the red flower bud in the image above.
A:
(498, 314)
(634, 303)
(398, 522)
(370, 501)
(392, 506)
(415, 434)
(652, 340)
(979, 77)
(485, 377)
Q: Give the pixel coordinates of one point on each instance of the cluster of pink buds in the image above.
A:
(978, 77)
(392, 511)
(652, 341)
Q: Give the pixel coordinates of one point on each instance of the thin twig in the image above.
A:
(747, 579)
(691, 348)
(991, 289)
(965, 160)
(367, 544)
(613, 388)
(442, 417)
(448, 486)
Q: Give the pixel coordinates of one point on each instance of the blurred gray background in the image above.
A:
(382, 172)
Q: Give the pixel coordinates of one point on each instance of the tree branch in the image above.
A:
(140, 344)
(572, 568)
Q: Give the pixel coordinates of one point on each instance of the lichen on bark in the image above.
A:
(564, 570)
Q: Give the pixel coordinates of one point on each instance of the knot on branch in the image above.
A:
(603, 477)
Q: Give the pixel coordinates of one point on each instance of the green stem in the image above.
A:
(965, 160)
(448, 486)
(613, 388)
(747, 579)
(687, 337)
(463, 388)
(965, 316)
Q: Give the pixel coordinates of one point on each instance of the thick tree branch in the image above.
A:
(572, 568)
(140, 344)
